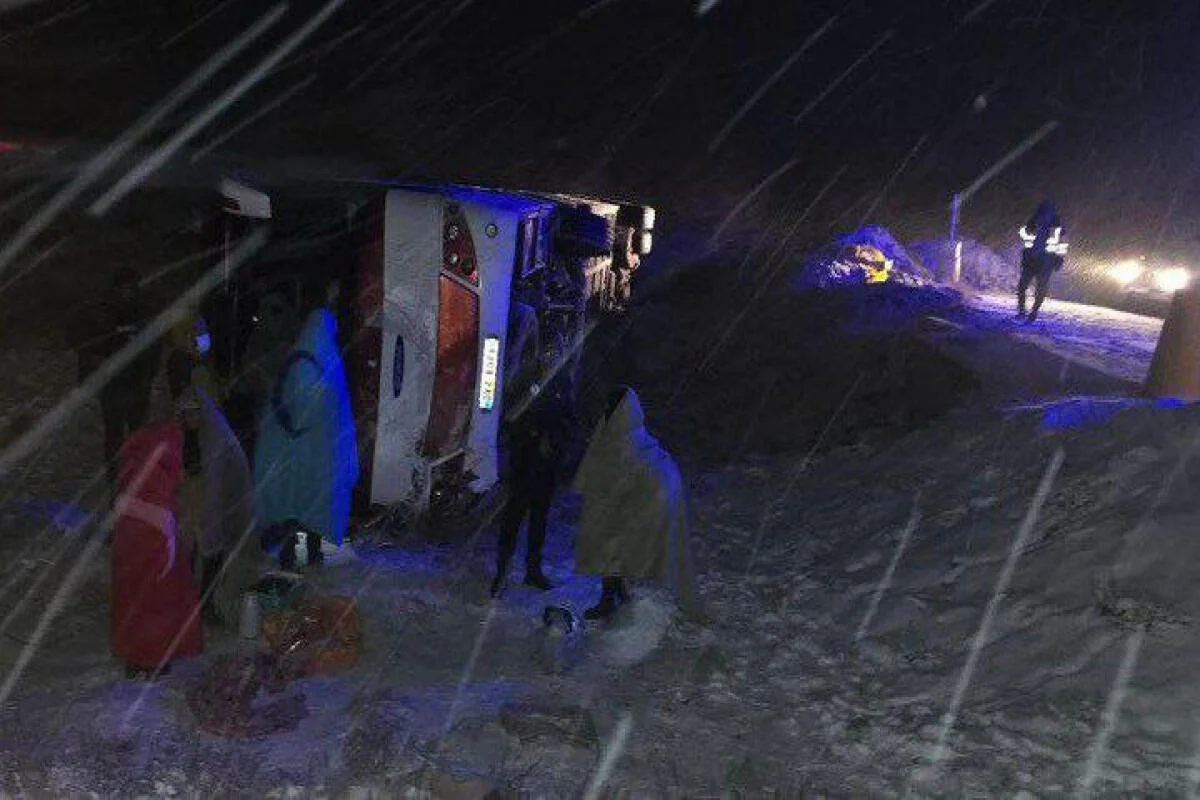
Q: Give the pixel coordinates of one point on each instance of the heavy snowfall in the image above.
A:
(939, 550)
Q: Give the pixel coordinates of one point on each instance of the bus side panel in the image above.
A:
(412, 250)
(497, 256)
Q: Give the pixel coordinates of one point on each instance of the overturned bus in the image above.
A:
(447, 297)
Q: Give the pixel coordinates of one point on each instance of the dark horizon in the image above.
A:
(605, 97)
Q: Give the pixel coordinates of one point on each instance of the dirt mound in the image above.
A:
(724, 371)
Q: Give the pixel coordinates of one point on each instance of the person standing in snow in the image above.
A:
(634, 522)
(1045, 241)
(267, 347)
(190, 351)
(306, 456)
(533, 441)
(101, 331)
(217, 502)
(155, 614)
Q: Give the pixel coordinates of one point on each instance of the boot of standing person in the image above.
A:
(614, 593)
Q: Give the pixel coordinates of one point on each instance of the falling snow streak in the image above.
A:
(706, 6)
(20, 197)
(469, 669)
(205, 17)
(885, 582)
(162, 272)
(66, 589)
(608, 761)
(30, 593)
(993, 606)
(816, 101)
(776, 226)
(13, 5)
(892, 180)
(769, 511)
(749, 198)
(95, 168)
(159, 157)
(275, 103)
(446, 20)
(766, 278)
(382, 30)
(596, 8)
(391, 51)
(758, 94)
(626, 130)
(33, 264)
(1009, 157)
(413, 33)
(1112, 712)
(171, 316)
(977, 11)
(323, 49)
(74, 11)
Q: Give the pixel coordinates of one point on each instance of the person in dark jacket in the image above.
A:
(1045, 240)
(534, 437)
(97, 334)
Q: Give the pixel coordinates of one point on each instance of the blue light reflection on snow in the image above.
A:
(1075, 413)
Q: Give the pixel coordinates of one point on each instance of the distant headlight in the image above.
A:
(1172, 280)
(1125, 272)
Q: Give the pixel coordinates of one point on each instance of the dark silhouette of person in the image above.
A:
(99, 332)
(534, 439)
(1045, 240)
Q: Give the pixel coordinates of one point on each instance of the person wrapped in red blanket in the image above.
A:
(155, 604)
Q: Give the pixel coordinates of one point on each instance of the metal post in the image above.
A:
(955, 208)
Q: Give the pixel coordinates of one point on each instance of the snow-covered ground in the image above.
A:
(1106, 340)
(984, 607)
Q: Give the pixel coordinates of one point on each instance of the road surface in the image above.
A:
(1115, 343)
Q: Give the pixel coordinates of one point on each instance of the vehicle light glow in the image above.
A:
(1172, 280)
(1125, 272)
(491, 368)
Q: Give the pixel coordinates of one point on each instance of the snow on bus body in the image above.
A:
(448, 261)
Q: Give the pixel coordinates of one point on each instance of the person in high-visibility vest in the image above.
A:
(1045, 240)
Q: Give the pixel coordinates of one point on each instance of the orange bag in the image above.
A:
(319, 636)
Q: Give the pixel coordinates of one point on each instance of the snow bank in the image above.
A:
(835, 264)
(982, 267)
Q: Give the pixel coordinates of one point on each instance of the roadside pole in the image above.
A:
(955, 208)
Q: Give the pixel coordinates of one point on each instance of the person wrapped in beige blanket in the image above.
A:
(634, 523)
(218, 507)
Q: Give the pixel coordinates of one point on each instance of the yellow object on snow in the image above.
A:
(874, 263)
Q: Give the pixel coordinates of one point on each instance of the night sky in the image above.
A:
(635, 97)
